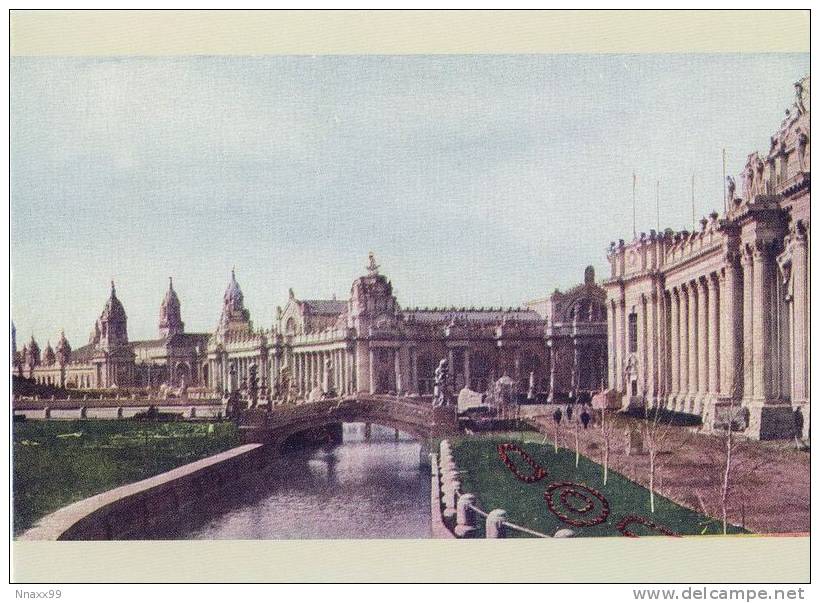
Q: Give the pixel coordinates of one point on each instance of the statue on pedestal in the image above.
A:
(328, 389)
(440, 383)
(253, 386)
(730, 188)
(531, 388)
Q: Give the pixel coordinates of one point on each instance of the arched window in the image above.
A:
(633, 332)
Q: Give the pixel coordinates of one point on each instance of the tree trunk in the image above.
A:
(651, 481)
(606, 460)
(577, 448)
(724, 494)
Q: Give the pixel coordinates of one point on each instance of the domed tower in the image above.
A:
(170, 315)
(372, 302)
(235, 317)
(113, 357)
(63, 350)
(49, 359)
(113, 323)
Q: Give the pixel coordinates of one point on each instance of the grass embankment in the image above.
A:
(496, 487)
(56, 463)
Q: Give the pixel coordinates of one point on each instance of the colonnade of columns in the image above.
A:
(731, 333)
(309, 368)
(696, 313)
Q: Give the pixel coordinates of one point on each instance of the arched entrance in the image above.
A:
(182, 373)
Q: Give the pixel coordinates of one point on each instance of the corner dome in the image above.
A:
(113, 310)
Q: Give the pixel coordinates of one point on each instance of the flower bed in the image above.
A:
(495, 470)
(569, 514)
(538, 472)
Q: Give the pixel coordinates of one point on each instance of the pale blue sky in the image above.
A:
(482, 180)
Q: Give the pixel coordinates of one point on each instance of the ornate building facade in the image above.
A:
(109, 360)
(715, 322)
(366, 343)
(369, 343)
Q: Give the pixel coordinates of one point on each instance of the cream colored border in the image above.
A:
(697, 559)
(706, 559)
(61, 33)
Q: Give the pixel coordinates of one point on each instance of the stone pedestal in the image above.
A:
(770, 421)
(606, 400)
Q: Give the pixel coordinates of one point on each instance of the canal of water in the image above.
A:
(362, 488)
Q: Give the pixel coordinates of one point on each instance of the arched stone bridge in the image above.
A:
(415, 416)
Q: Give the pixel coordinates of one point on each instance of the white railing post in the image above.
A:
(494, 527)
(450, 489)
(465, 516)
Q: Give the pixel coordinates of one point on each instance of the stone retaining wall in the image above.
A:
(61, 412)
(145, 508)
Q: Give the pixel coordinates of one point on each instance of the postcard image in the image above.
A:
(384, 296)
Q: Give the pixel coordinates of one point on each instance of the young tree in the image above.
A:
(736, 467)
(655, 432)
(607, 431)
(556, 417)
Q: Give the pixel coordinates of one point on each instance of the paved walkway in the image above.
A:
(771, 479)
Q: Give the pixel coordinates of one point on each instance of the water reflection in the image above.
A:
(364, 488)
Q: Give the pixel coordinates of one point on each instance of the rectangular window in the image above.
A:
(633, 332)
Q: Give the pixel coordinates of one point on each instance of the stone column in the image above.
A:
(467, 367)
(640, 351)
(652, 339)
(305, 372)
(799, 285)
(661, 357)
(684, 337)
(397, 370)
(610, 343)
(714, 334)
(618, 381)
(414, 371)
(372, 373)
(694, 301)
(622, 343)
(747, 261)
(703, 343)
(340, 371)
(576, 360)
(517, 362)
(761, 323)
(675, 345)
(552, 352)
(731, 329)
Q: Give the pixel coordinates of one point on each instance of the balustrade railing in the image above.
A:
(461, 508)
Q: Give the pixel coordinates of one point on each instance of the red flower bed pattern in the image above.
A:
(643, 521)
(569, 513)
(538, 472)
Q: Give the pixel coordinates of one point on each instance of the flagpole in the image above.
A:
(658, 204)
(693, 202)
(634, 215)
(725, 207)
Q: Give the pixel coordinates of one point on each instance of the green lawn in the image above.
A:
(496, 487)
(56, 463)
